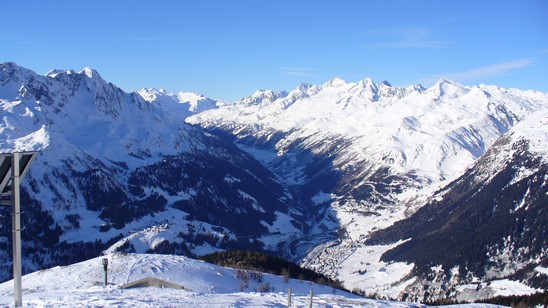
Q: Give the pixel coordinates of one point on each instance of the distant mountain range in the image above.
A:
(379, 186)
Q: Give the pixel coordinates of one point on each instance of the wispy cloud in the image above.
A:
(477, 73)
(300, 71)
(408, 37)
(491, 70)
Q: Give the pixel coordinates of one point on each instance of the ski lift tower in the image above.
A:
(13, 166)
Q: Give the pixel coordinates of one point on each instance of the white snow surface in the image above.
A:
(436, 132)
(534, 129)
(190, 102)
(81, 122)
(363, 269)
(114, 124)
(431, 134)
(501, 287)
(542, 270)
(205, 285)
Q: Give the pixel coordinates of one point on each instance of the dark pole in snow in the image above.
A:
(289, 297)
(105, 265)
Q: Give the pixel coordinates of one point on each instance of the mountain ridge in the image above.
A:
(99, 146)
(496, 209)
(392, 148)
(312, 172)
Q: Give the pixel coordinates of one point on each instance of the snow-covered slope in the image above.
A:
(190, 102)
(205, 285)
(308, 174)
(488, 224)
(113, 163)
(467, 235)
(436, 131)
(376, 144)
(360, 156)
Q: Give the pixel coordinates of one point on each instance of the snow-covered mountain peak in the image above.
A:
(368, 87)
(304, 87)
(418, 88)
(88, 113)
(197, 102)
(190, 97)
(87, 78)
(335, 82)
(262, 97)
(90, 72)
(367, 81)
(153, 94)
(385, 83)
(409, 129)
(303, 90)
(447, 81)
(11, 68)
(190, 102)
(446, 87)
(54, 72)
(11, 77)
(92, 77)
(268, 95)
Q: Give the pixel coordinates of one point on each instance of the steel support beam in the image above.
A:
(16, 225)
(13, 167)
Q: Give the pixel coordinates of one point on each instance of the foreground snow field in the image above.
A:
(205, 285)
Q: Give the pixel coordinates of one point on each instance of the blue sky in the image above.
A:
(228, 49)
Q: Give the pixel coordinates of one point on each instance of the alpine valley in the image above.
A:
(416, 194)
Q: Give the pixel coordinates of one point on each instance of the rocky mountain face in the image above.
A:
(366, 147)
(112, 164)
(315, 175)
(361, 156)
(489, 223)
